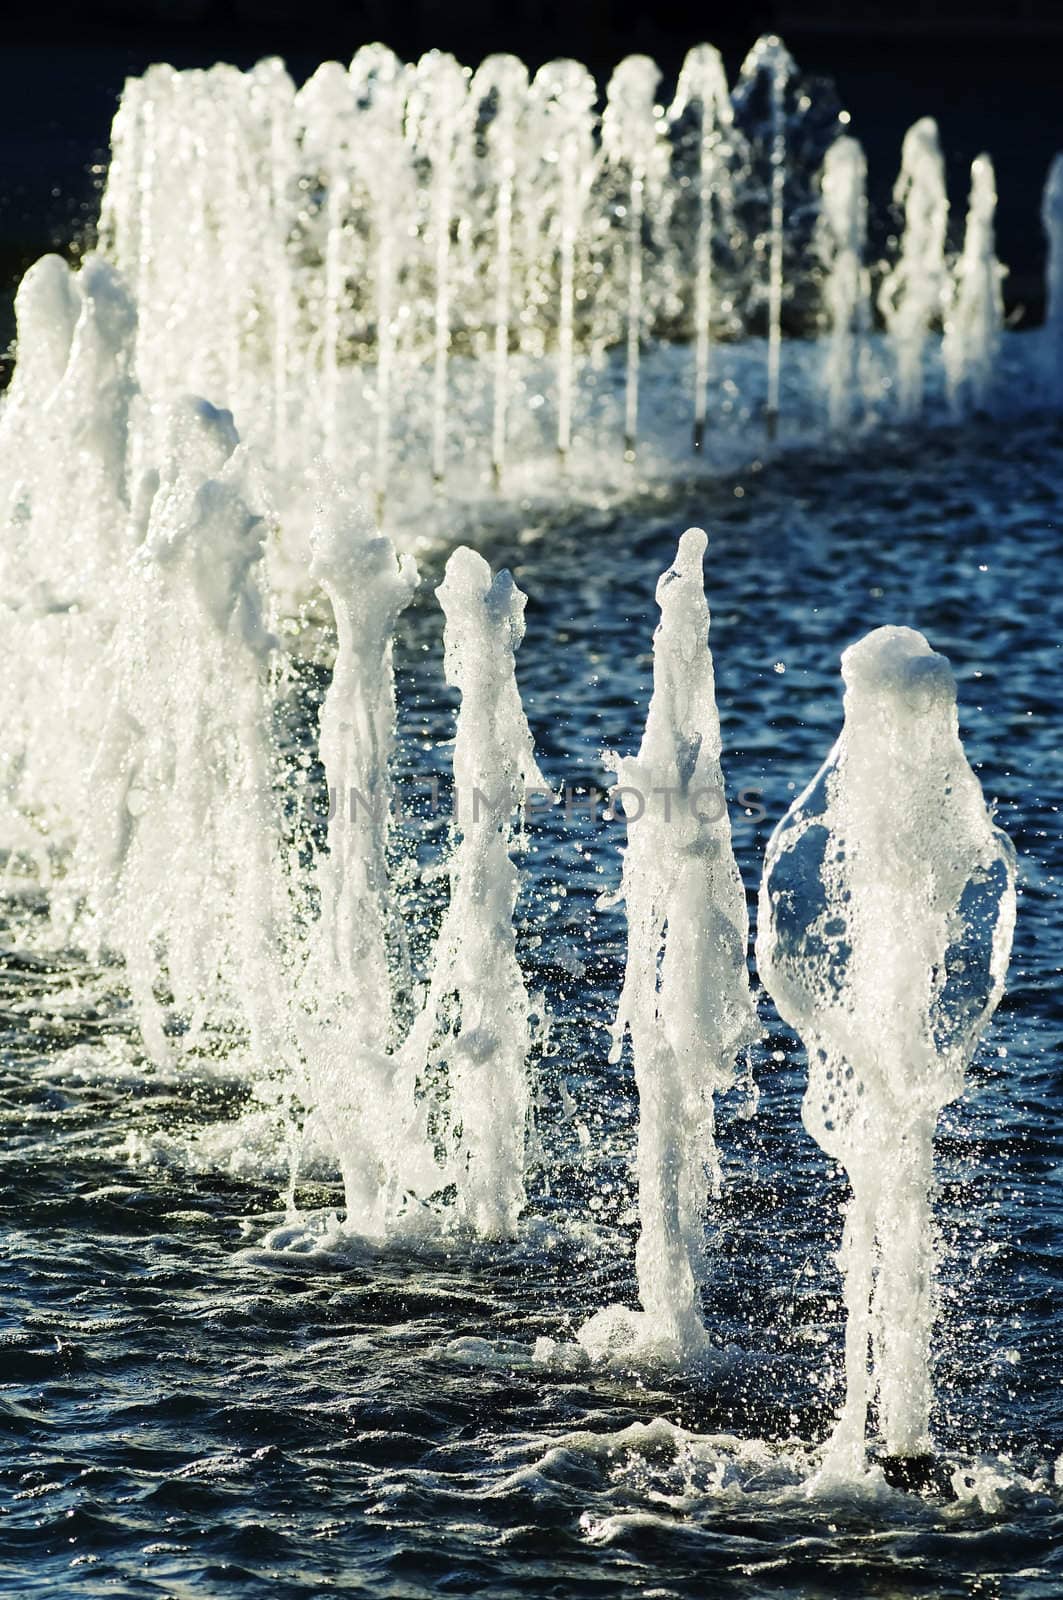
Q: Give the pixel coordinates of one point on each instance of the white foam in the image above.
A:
(475, 1026)
(975, 315)
(914, 293)
(685, 1000)
(886, 913)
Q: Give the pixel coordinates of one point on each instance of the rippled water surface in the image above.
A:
(199, 1398)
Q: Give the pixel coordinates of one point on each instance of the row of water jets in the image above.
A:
(145, 781)
(396, 262)
(324, 262)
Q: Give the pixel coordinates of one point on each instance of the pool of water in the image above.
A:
(199, 1397)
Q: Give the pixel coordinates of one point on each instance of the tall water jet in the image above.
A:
(383, 159)
(563, 94)
(702, 88)
(886, 914)
(179, 852)
(503, 82)
(1052, 221)
(273, 103)
(975, 316)
(239, 223)
(436, 113)
(846, 292)
(685, 1002)
(398, 241)
(127, 229)
(475, 1027)
(770, 57)
(347, 991)
(914, 294)
(120, 221)
(325, 108)
(632, 131)
(67, 433)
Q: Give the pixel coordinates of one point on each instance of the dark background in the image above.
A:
(991, 73)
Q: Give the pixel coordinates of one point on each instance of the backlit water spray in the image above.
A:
(976, 313)
(685, 1001)
(360, 275)
(914, 294)
(886, 915)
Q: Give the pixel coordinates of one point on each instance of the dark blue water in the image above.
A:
(186, 1412)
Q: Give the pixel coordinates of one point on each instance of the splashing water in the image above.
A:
(436, 110)
(500, 88)
(886, 915)
(476, 1022)
(976, 313)
(702, 89)
(68, 432)
(846, 293)
(423, 253)
(355, 243)
(770, 57)
(380, 83)
(633, 148)
(563, 96)
(365, 271)
(914, 293)
(686, 1000)
(176, 852)
(348, 1021)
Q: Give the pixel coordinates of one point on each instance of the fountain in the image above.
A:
(914, 292)
(380, 86)
(500, 88)
(407, 248)
(353, 974)
(361, 274)
(846, 293)
(634, 154)
(685, 1001)
(886, 914)
(975, 315)
(72, 425)
(563, 95)
(702, 88)
(476, 1022)
(435, 114)
(770, 58)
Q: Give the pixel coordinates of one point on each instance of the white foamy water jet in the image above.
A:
(702, 92)
(330, 136)
(769, 57)
(437, 117)
(66, 438)
(500, 101)
(368, 242)
(563, 95)
(397, 257)
(885, 924)
(1052, 222)
(475, 1030)
(685, 1002)
(975, 316)
(382, 160)
(350, 986)
(846, 293)
(634, 152)
(178, 855)
(914, 295)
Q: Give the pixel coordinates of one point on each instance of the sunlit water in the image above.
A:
(187, 1410)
